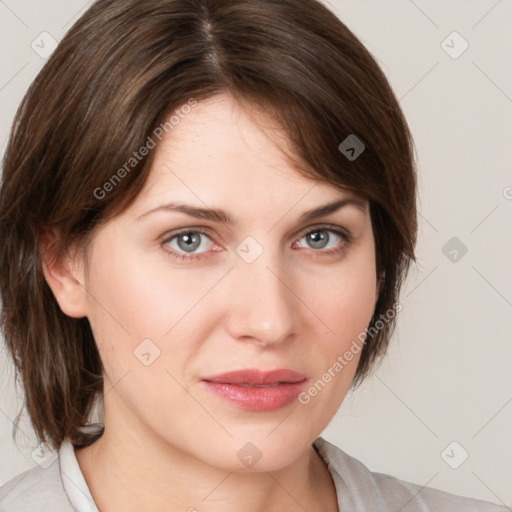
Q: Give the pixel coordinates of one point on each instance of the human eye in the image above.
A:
(192, 244)
(183, 245)
(325, 240)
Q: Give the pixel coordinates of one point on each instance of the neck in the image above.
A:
(168, 479)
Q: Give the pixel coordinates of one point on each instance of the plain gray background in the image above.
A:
(447, 375)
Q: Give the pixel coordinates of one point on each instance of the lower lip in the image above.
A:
(267, 398)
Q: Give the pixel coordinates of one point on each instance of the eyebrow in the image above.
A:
(222, 216)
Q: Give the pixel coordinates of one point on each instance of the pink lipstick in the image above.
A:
(257, 390)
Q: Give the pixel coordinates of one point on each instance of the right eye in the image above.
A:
(185, 243)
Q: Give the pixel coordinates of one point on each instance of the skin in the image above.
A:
(295, 307)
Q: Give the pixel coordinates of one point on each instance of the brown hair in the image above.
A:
(122, 67)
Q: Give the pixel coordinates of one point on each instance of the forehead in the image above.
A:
(219, 153)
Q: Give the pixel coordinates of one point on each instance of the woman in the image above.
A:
(219, 218)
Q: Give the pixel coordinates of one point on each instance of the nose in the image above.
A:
(262, 308)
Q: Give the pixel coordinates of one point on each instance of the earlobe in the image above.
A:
(64, 276)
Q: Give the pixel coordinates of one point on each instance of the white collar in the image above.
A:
(73, 480)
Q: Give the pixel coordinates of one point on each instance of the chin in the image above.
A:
(255, 450)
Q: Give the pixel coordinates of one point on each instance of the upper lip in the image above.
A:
(255, 376)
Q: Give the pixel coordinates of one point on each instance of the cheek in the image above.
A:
(351, 301)
(136, 312)
(139, 298)
(142, 312)
(345, 301)
(345, 297)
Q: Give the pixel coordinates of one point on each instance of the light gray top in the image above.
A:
(61, 487)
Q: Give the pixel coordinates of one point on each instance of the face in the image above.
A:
(174, 299)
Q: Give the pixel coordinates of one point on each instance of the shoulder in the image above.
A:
(359, 488)
(36, 489)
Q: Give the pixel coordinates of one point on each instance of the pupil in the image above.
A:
(318, 239)
(191, 241)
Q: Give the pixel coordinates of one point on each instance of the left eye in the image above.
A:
(321, 238)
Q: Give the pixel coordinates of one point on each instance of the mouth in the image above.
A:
(257, 390)
(257, 378)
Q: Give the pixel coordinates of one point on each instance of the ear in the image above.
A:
(64, 276)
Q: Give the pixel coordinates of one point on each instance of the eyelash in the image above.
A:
(344, 235)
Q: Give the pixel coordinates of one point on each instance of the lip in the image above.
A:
(255, 376)
(257, 390)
